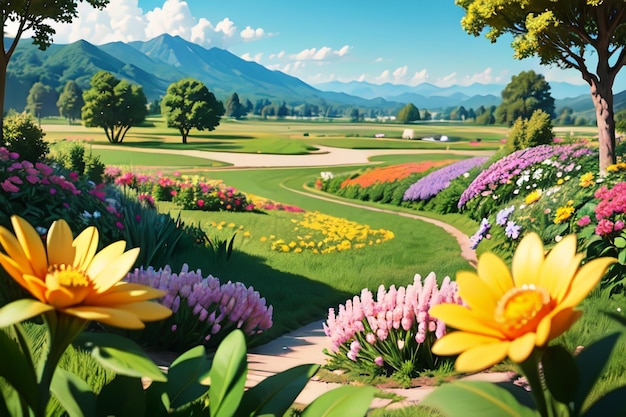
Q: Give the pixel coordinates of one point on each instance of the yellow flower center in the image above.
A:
(521, 309)
(66, 286)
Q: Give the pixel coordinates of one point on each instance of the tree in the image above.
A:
(565, 116)
(188, 104)
(408, 114)
(36, 17)
(113, 105)
(234, 108)
(586, 35)
(71, 101)
(620, 121)
(41, 101)
(526, 133)
(527, 92)
(427, 115)
(354, 115)
(23, 136)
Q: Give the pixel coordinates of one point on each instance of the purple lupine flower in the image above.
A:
(506, 169)
(503, 215)
(433, 183)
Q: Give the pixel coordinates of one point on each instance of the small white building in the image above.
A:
(408, 134)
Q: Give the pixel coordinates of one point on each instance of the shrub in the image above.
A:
(23, 136)
(393, 334)
(532, 132)
(205, 310)
(72, 156)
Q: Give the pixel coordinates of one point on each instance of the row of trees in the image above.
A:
(526, 93)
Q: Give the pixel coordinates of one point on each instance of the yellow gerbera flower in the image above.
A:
(71, 278)
(510, 312)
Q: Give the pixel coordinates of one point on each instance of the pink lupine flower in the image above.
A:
(379, 361)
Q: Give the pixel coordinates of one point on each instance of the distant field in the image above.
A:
(287, 137)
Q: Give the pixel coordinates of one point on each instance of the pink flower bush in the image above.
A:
(205, 310)
(394, 331)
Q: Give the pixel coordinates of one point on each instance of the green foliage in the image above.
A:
(72, 156)
(526, 133)
(234, 108)
(188, 104)
(526, 93)
(23, 136)
(408, 113)
(71, 101)
(620, 121)
(41, 101)
(113, 105)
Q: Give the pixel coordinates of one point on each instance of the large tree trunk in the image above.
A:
(3, 82)
(602, 96)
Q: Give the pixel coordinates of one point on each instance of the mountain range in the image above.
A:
(157, 63)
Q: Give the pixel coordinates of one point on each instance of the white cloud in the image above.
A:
(248, 57)
(379, 59)
(419, 77)
(249, 34)
(447, 80)
(325, 53)
(279, 55)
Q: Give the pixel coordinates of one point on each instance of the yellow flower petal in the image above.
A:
(585, 280)
(476, 293)
(543, 330)
(14, 269)
(559, 267)
(31, 243)
(116, 269)
(124, 293)
(462, 318)
(146, 310)
(20, 310)
(493, 271)
(527, 260)
(107, 315)
(86, 245)
(521, 348)
(102, 259)
(481, 357)
(562, 321)
(14, 251)
(456, 342)
(59, 244)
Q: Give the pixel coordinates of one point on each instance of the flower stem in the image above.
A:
(530, 369)
(62, 330)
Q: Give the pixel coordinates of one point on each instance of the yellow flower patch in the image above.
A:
(321, 233)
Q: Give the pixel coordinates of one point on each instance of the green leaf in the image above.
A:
(17, 370)
(228, 375)
(121, 355)
(617, 317)
(611, 404)
(184, 376)
(20, 310)
(560, 372)
(122, 397)
(348, 400)
(74, 395)
(620, 242)
(157, 401)
(590, 363)
(475, 398)
(275, 394)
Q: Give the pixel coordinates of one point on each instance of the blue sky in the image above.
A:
(402, 42)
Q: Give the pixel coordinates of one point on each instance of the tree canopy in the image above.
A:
(527, 92)
(234, 108)
(408, 113)
(114, 105)
(41, 101)
(71, 101)
(189, 104)
(36, 17)
(586, 35)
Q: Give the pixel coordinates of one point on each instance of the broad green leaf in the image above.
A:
(620, 242)
(74, 395)
(18, 370)
(348, 400)
(122, 397)
(184, 376)
(560, 372)
(275, 394)
(228, 375)
(475, 399)
(590, 363)
(611, 404)
(157, 401)
(121, 355)
(20, 310)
